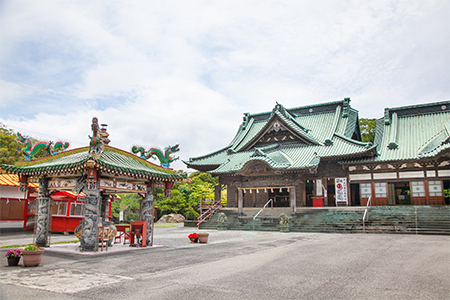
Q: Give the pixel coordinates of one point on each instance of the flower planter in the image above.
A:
(193, 237)
(13, 256)
(32, 258)
(13, 261)
(203, 238)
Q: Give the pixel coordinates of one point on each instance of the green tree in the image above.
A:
(205, 177)
(178, 204)
(10, 149)
(186, 195)
(125, 204)
(201, 190)
(367, 127)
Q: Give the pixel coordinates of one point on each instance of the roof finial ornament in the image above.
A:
(104, 135)
(280, 109)
(96, 144)
(245, 120)
(387, 118)
(345, 106)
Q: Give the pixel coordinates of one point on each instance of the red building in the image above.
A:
(67, 207)
(16, 205)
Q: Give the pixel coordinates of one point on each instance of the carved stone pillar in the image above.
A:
(92, 217)
(240, 202)
(147, 213)
(44, 214)
(293, 200)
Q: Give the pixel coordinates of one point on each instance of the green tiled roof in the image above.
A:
(260, 127)
(352, 121)
(322, 131)
(436, 145)
(413, 132)
(111, 160)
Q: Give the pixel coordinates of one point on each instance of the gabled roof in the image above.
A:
(281, 117)
(111, 160)
(413, 132)
(310, 134)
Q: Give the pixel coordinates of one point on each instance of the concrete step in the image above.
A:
(389, 219)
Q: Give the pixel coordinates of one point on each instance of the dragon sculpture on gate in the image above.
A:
(96, 143)
(164, 157)
(32, 147)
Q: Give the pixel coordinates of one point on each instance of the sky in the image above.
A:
(161, 73)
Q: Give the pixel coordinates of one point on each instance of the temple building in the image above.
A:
(412, 166)
(313, 156)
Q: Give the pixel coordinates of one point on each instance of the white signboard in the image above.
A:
(319, 187)
(158, 185)
(62, 183)
(341, 190)
(122, 185)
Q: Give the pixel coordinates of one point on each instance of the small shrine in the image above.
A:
(99, 171)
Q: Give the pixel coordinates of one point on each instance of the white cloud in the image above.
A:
(165, 72)
(166, 112)
(11, 92)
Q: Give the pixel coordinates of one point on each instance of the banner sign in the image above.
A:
(319, 187)
(341, 189)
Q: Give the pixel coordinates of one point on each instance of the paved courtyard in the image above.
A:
(240, 265)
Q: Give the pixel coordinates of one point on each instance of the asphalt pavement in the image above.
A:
(240, 265)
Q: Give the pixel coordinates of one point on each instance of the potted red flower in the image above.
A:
(193, 237)
(32, 256)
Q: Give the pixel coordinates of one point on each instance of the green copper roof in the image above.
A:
(413, 132)
(111, 160)
(292, 156)
(416, 134)
(311, 134)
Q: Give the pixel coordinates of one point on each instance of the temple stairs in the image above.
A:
(381, 219)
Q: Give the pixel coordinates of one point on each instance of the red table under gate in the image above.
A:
(138, 228)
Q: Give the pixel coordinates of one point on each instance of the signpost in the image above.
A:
(341, 190)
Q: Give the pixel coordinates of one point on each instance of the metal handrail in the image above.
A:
(366, 214)
(415, 217)
(260, 211)
(209, 213)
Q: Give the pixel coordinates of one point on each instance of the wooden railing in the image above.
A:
(209, 212)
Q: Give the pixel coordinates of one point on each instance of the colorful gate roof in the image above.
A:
(111, 160)
(116, 170)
